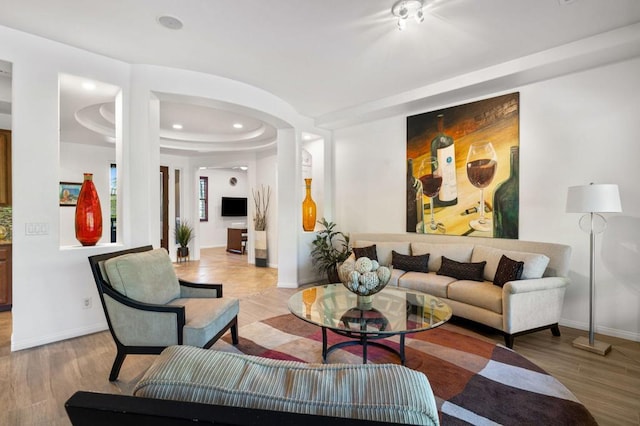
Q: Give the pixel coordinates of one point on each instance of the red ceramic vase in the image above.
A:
(88, 213)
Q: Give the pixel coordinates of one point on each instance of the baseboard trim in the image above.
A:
(607, 331)
(56, 337)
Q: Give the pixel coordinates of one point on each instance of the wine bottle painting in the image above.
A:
(465, 161)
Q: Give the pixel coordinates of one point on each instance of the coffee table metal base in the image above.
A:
(363, 339)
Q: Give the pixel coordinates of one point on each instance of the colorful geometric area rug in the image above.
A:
(475, 381)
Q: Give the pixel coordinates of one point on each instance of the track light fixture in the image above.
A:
(406, 9)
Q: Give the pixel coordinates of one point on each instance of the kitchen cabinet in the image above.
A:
(5, 277)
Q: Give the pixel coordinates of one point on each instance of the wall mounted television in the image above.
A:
(234, 206)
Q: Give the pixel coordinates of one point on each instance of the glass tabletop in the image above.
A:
(393, 310)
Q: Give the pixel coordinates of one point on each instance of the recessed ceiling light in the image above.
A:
(177, 126)
(306, 136)
(170, 22)
(238, 126)
(89, 85)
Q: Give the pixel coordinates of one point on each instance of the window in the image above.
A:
(204, 199)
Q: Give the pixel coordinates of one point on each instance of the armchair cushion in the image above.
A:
(205, 317)
(147, 277)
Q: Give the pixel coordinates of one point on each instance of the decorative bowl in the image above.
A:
(364, 276)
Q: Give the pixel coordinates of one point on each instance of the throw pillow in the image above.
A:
(369, 251)
(410, 263)
(462, 270)
(508, 270)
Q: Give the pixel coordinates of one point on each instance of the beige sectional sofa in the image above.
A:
(531, 303)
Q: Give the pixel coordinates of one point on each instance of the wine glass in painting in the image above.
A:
(431, 179)
(481, 168)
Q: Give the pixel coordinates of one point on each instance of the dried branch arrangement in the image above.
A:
(261, 199)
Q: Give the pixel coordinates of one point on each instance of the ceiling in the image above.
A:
(322, 57)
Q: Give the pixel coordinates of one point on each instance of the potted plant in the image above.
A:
(329, 249)
(184, 234)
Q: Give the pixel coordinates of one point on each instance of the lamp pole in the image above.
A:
(592, 287)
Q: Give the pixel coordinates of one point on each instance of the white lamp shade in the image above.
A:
(594, 198)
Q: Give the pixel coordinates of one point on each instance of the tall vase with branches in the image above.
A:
(261, 198)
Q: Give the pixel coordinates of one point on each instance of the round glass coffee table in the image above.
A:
(392, 311)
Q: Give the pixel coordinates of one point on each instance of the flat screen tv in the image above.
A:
(234, 206)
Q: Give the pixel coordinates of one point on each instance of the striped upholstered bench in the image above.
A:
(377, 392)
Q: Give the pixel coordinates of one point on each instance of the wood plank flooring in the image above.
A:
(35, 383)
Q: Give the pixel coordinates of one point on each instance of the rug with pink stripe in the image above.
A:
(475, 381)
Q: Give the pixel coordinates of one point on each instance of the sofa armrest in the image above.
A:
(531, 304)
(535, 284)
(98, 409)
(190, 289)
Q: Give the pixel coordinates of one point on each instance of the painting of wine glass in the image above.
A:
(473, 150)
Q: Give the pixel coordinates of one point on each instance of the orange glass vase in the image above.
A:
(308, 209)
(88, 213)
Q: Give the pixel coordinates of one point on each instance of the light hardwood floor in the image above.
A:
(34, 383)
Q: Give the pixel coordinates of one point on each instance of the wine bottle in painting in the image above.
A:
(506, 202)
(443, 149)
(415, 206)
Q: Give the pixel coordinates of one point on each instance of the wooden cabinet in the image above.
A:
(236, 240)
(5, 168)
(5, 277)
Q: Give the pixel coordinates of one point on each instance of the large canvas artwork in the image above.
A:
(463, 169)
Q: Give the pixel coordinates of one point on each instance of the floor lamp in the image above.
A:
(593, 199)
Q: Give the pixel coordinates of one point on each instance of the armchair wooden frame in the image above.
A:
(104, 288)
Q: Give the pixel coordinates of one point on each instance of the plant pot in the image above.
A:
(332, 274)
(183, 252)
(260, 245)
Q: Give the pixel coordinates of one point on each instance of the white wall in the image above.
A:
(575, 129)
(50, 283)
(213, 233)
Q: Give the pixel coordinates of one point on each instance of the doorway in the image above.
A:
(164, 207)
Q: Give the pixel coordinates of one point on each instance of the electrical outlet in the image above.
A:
(87, 302)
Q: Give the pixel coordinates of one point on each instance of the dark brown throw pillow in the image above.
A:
(369, 251)
(462, 270)
(410, 263)
(508, 270)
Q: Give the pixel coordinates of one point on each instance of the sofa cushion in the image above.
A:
(508, 270)
(462, 270)
(147, 276)
(483, 295)
(534, 263)
(369, 251)
(410, 263)
(384, 249)
(457, 252)
(382, 392)
(430, 283)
